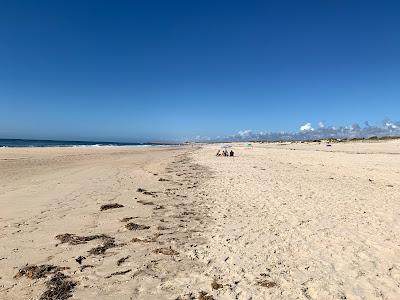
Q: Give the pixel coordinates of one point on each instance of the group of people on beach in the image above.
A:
(225, 153)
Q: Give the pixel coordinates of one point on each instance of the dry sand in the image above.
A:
(294, 221)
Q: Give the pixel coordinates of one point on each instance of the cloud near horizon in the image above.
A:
(308, 132)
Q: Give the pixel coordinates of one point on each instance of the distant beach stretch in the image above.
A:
(276, 221)
(60, 143)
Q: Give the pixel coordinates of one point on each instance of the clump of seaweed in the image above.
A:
(126, 219)
(59, 287)
(149, 240)
(36, 272)
(267, 283)
(150, 193)
(215, 285)
(110, 206)
(83, 267)
(79, 259)
(145, 192)
(166, 251)
(74, 239)
(162, 227)
(137, 240)
(205, 296)
(108, 243)
(146, 202)
(122, 260)
(119, 273)
(134, 226)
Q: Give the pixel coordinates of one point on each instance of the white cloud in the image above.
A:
(307, 132)
(245, 133)
(306, 127)
(390, 125)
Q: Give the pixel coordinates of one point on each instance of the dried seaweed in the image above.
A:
(79, 259)
(110, 206)
(162, 228)
(267, 283)
(74, 239)
(205, 296)
(150, 193)
(119, 273)
(166, 251)
(134, 226)
(126, 219)
(35, 272)
(85, 267)
(59, 287)
(122, 260)
(145, 192)
(146, 202)
(215, 285)
(108, 243)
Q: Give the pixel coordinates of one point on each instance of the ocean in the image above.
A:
(56, 143)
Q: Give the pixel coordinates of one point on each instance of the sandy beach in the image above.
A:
(277, 221)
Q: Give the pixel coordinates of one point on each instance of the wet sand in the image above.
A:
(294, 221)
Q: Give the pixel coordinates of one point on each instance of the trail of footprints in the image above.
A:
(177, 218)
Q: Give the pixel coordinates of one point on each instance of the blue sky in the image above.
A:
(159, 70)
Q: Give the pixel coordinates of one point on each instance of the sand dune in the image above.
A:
(294, 221)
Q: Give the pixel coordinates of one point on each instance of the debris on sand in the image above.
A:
(163, 179)
(137, 240)
(150, 193)
(126, 219)
(166, 251)
(59, 287)
(119, 273)
(148, 240)
(134, 226)
(146, 202)
(267, 283)
(144, 192)
(108, 243)
(205, 296)
(74, 239)
(162, 228)
(159, 207)
(215, 285)
(36, 272)
(188, 296)
(79, 259)
(110, 206)
(122, 260)
(86, 266)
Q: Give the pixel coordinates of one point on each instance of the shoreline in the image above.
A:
(148, 232)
